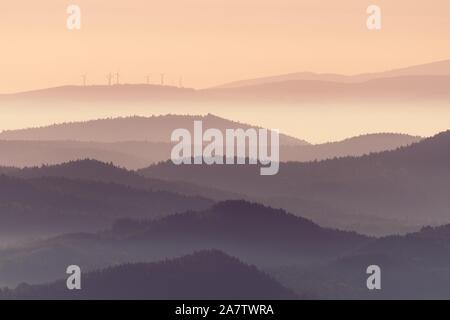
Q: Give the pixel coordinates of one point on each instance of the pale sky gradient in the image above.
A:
(210, 42)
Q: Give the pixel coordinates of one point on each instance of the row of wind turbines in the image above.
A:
(114, 79)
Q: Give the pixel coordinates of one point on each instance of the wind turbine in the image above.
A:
(84, 77)
(180, 82)
(109, 77)
(162, 79)
(118, 77)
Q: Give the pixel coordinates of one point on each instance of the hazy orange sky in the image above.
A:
(209, 42)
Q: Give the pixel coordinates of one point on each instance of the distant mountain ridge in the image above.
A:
(423, 87)
(151, 129)
(433, 68)
(424, 81)
(116, 92)
(354, 147)
(408, 95)
(300, 88)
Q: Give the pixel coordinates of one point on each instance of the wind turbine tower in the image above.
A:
(118, 77)
(109, 77)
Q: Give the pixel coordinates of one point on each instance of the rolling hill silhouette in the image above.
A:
(149, 129)
(402, 88)
(93, 170)
(392, 191)
(356, 146)
(141, 92)
(47, 204)
(101, 92)
(414, 266)
(129, 154)
(202, 275)
(245, 229)
(434, 68)
(252, 232)
(139, 154)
